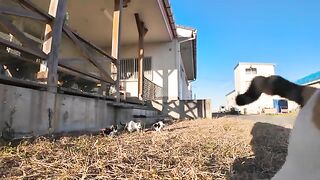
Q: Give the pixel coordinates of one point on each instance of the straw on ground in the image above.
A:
(202, 149)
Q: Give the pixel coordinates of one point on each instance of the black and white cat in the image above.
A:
(158, 126)
(303, 159)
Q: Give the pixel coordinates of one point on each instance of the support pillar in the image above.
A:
(116, 31)
(54, 43)
(142, 30)
(46, 46)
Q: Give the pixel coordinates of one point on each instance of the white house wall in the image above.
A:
(184, 87)
(164, 67)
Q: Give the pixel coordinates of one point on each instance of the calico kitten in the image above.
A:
(110, 131)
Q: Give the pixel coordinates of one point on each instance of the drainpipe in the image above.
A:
(189, 39)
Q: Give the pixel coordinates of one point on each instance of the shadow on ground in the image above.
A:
(269, 145)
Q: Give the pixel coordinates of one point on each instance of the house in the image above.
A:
(169, 67)
(244, 72)
(65, 64)
(148, 37)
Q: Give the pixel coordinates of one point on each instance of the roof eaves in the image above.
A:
(170, 17)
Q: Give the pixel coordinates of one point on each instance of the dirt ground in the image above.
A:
(224, 148)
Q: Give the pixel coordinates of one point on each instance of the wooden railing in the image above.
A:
(30, 55)
(151, 91)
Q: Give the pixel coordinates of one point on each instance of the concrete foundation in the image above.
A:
(184, 109)
(29, 112)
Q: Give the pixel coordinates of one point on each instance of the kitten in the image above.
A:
(110, 131)
(303, 159)
(158, 126)
(132, 126)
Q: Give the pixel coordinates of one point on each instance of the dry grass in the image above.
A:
(203, 149)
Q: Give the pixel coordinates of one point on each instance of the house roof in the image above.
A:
(309, 79)
(93, 20)
(170, 17)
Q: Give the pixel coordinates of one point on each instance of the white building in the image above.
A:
(73, 58)
(243, 75)
(170, 65)
(169, 50)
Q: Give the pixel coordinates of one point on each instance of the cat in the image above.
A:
(110, 131)
(303, 159)
(132, 126)
(158, 126)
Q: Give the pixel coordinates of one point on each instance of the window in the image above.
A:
(251, 70)
(129, 68)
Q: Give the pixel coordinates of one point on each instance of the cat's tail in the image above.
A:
(275, 85)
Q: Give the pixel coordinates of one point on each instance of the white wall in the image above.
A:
(164, 66)
(231, 100)
(184, 84)
(243, 80)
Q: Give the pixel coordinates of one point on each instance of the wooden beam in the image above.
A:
(142, 30)
(30, 5)
(88, 56)
(47, 39)
(9, 58)
(63, 65)
(56, 40)
(22, 13)
(23, 49)
(116, 31)
(26, 42)
(125, 3)
(77, 74)
(113, 60)
(50, 16)
(21, 83)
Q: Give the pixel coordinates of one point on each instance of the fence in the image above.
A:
(21, 53)
(129, 68)
(151, 91)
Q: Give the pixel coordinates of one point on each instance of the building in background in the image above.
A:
(312, 80)
(243, 74)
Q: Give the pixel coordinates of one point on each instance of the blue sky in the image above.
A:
(284, 32)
